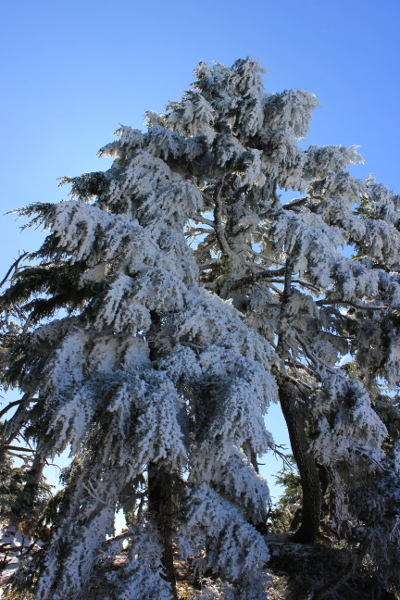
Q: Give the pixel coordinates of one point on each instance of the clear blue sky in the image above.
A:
(72, 71)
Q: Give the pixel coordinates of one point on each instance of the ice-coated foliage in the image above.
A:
(346, 426)
(216, 532)
(192, 297)
(142, 573)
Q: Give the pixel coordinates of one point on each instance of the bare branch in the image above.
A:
(352, 304)
(317, 361)
(210, 264)
(18, 448)
(14, 267)
(250, 279)
(24, 457)
(201, 219)
(49, 464)
(92, 493)
(258, 255)
(277, 290)
(10, 405)
(197, 231)
(299, 384)
(295, 202)
(282, 456)
(306, 284)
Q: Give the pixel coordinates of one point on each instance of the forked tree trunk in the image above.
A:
(308, 530)
(162, 508)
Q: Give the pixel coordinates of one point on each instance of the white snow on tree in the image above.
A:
(175, 297)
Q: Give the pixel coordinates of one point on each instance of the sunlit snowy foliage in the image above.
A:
(192, 297)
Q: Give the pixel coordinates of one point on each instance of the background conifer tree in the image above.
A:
(176, 295)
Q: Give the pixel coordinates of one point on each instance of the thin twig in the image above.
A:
(352, 304)
(283, 457)
(298, 383)
(93, 494)
(265, 275)
(25, 458)
(312, 357)
(210, 264)
(298, 365)
(198, 231)
(307, 285)
(13, 266)
(259, 255)
(203, 220)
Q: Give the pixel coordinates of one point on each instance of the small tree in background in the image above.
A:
(155, 362)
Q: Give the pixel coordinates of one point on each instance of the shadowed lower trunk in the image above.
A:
(28, 496)
(162, 505)
(308, 530)
(162, 508)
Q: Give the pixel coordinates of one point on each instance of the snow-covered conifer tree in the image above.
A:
(174, 298)
(154, 383)
(282, 265)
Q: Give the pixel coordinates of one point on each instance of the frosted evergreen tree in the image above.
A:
(282, 265)
(175, 297)
(154, 383)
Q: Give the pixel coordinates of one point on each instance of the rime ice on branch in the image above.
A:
(159, 370)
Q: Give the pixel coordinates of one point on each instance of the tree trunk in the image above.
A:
(29, 493)
(308, 530)
(162, 508)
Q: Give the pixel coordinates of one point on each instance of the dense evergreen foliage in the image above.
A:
(176, 296)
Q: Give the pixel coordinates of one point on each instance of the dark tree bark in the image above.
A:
(295, 422)
(161, 485)
(162, 507)
(26, 502)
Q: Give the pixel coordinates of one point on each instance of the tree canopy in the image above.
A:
(176, 296)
